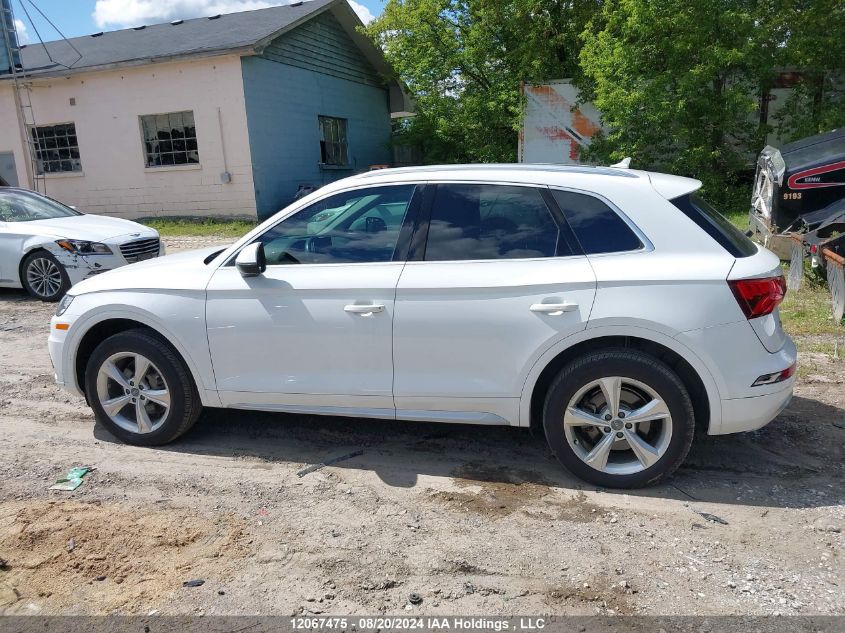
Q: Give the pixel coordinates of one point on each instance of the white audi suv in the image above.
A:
(614, 309)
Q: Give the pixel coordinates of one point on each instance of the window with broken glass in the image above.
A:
(170, 139)
(333, 145)
(56, 148)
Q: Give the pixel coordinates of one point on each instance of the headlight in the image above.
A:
(64, 304)
(81, 247)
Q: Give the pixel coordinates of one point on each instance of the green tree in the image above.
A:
(463, 61)
(813, 45)
(678, 85)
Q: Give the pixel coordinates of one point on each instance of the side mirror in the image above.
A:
(251, 261)
(375, 225)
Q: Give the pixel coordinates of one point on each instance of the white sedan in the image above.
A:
(46, 247)
(613, 309)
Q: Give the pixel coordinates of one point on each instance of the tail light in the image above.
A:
(758, 297)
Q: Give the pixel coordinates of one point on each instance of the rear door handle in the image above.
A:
(554, 308)
(364, 309)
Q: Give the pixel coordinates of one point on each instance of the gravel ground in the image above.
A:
(474, 519)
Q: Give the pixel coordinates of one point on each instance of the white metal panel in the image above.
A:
(555, 127)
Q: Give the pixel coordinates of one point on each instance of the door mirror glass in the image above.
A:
(251, 261)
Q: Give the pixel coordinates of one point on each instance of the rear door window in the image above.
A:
(598, 228)
(715, 225)
(491, 222)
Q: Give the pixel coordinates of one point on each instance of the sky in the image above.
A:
(83, 17)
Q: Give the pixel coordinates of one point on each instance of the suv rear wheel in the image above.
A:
(140, 389)
(619, 418)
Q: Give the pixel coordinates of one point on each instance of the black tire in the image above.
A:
(185, 404)
(629, 364)
(29, 267)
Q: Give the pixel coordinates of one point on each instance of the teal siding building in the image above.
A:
(310, 87)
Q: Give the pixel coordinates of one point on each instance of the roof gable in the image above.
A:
(323, 45)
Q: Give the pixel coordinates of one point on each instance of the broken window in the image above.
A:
(333, 146)
(170, 139)
(56, 148)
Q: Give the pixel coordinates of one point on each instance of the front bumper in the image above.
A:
(56, 347)
(79, 267)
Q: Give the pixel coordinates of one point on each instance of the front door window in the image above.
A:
(360, 226)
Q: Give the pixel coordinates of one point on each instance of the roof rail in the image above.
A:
(567, 169)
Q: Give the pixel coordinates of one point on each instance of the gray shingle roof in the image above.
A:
(191, 37)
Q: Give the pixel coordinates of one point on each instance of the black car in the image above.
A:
(792, 183)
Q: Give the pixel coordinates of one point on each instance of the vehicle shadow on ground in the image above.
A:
(16, 295)
(796, 461)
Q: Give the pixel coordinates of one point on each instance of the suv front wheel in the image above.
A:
(619, 418)
(140, 389)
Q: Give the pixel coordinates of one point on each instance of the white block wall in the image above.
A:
(114, 179)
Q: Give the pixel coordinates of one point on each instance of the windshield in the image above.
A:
(20, 206)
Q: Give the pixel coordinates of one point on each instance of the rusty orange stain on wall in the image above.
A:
(583, 125)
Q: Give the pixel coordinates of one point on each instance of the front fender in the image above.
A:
(185, 331)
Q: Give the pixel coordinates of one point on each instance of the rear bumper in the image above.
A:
(749, 414)
(736, 358)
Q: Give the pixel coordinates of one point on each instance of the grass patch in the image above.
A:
(739, 219)
(809, 311)
(199, 227)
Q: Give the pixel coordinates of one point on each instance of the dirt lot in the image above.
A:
(476, 520)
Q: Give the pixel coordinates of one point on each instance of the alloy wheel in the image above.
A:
(133, 392)
(618, 425)
(44, 277)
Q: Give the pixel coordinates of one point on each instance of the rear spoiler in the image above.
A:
(671, 187)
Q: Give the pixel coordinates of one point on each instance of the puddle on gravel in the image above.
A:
(501, 491)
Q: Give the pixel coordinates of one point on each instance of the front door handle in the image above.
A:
(553, 309)
(364, 309)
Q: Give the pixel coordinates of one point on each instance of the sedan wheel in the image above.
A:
(619, 418)
(43, 276)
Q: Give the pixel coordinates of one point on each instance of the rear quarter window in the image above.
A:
(715, 225)
(599, 228)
